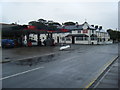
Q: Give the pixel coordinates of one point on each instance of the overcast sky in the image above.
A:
(99, 12)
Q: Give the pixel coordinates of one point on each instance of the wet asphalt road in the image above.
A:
(73, 68)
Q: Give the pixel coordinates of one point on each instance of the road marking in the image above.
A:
(101, 70)
(102, 77)
(20, 73)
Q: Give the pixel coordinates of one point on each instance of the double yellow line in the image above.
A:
(101, 70)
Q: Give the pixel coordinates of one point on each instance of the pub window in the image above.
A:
(92, 31)
(86, 38)
(92, 38)
(68, 39)
(79, 38)
(103, 39)
(63, 38)
(95, 38)
(79, 31)
(85, 31)
(70, 32)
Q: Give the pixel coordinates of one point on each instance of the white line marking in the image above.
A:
(20, 73)
(101, 70)
(104, 75)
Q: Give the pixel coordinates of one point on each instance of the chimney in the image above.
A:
(92, 25)
(96, 27)
(100, 27)
(76, 23)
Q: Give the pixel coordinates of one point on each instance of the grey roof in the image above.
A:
(85, 25)
(102, 30)
(73, 27)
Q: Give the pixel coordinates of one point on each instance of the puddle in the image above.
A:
(37, 60)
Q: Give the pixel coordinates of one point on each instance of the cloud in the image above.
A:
(59, 0)
(102, 13)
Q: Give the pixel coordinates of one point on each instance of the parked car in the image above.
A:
(49, 42)
(30, 43)
(34, 43)
(7, 43)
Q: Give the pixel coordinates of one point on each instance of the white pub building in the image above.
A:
(80, 34)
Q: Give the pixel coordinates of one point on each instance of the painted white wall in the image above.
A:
(94, 41)
(67, 42)
(61, 35)
(43, 37)
(81, 42)
(75, 32)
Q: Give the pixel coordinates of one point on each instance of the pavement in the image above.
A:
(73, 68)
(10, 54)
(110, 78)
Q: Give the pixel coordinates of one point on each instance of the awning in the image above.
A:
(93, 35)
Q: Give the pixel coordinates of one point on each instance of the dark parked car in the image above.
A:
(7, 43)
(49, 42)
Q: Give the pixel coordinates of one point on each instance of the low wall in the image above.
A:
(81, 42)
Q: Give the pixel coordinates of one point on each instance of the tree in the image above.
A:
(114, 35)
(42, 21)
(55, 24)
(43, 24)
(69, 23)
(32, 23)
(38, 25)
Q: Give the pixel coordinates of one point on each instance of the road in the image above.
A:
(73, 68)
